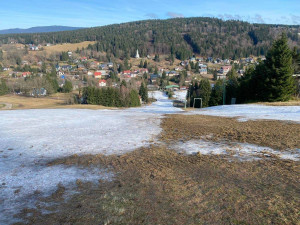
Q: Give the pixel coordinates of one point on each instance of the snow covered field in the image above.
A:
(30, 138)
(253, 112)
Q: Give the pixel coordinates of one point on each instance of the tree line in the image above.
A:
(111, 97)
(272, 80)
(180, 38)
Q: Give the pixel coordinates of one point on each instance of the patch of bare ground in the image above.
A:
(156, 185)
(275, 134)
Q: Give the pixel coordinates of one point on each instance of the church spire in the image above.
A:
(137, 54)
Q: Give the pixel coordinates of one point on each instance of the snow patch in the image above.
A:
(180, 95)
(30, 138)
(242, 151)
(162, 106)
(253, 112)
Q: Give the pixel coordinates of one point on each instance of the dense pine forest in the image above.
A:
(180, 37)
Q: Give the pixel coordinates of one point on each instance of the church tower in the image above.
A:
(137, 56)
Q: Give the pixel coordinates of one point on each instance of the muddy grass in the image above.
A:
(156, 185)
(275, 134)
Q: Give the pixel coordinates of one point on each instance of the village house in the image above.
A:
(57, 67)
(202, 68)
(94, 64)
(102, 83)
(126, 72)
(209, 59)
(143, 70)
(80, 67)
(110, 65)
(26, 74)
(39, 92)
(226, 61)
(250, 60)
(66, 67)
(184, 63)
(173, 73)
(34, 48)
(153, 78)
(104, 66)
(97, 74)
(225, 69)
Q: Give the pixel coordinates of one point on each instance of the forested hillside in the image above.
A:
(180, 37)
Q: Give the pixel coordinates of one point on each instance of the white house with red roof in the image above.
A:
(26, 74)
(102, 83)
(126, 72)
(98, 74)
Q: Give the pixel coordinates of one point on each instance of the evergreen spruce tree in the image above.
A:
(134, 98)
(143, 92)
(164, 75)
(216, 97)
(3, 87)
(232, 86)
(279, 84)
(145, 64)
(204, 92)
(141, 64)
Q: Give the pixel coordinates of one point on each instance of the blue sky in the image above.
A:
(89, 13)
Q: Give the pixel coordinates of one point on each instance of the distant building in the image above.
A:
(153, 77)
(98, 75)
(110, 65)
(34, 48)
(102, 83)
(137, 56)
(39, 92)
(26, 74)
(202, 69)
(225, 69)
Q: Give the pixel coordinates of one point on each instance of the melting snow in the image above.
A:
(30, 138)
(253, 112)
(180, 95)
(242, 151)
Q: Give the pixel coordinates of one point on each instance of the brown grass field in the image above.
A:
(156, 185)
(67, 47)
(293, 102)
(56, 101)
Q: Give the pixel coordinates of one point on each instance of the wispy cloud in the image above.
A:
(175, 15)
(152, 15)
(258, 19)
(295, 19)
